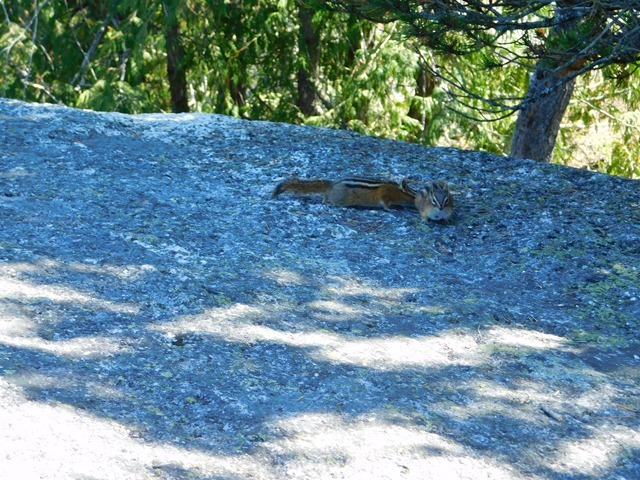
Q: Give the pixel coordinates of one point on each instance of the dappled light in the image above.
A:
(600, 452)
(349, 447)
(73, 443)
(361, 447)
(524, 338)
(85, 347)
(240, 324)
(12, 286)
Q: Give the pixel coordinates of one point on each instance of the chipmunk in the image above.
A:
(351, 191)
(434, 202)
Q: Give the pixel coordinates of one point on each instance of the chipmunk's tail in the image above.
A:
(301, 186)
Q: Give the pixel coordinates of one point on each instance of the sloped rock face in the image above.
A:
(162, 317)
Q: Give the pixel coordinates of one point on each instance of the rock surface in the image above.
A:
(162, 317)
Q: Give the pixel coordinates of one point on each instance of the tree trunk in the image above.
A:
(308, 98)
(176, 65)
(538, 122)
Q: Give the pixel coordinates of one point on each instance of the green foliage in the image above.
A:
(119, 96)
(602, 126)
(92, 55)
(371, 86)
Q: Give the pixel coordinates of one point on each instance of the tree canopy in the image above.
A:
(565, 38)
(558, 41)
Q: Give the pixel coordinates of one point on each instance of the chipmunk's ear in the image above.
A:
(404, 186)
(440, 185)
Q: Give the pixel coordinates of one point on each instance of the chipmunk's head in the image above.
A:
(435, 202)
